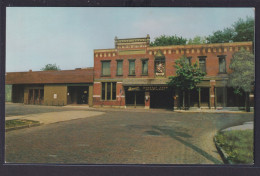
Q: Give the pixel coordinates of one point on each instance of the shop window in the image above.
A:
(105, 68)
(131, 67)
(145, 67)
(202, 63)
(119, 70)
(108, 90)
(222, 64)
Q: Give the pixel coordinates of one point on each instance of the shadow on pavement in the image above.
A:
(176, 135)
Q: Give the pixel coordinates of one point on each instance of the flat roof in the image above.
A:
(85, 75)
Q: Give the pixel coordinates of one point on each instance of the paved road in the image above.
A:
(157, 137)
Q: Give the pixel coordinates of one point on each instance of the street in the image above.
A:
(122, 137)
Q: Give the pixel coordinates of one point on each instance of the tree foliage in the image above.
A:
(244, 29)
(243, 71)
(197, 40)
(187, 75)
(50, 67)
(222, 36)
(164, 40)
(241, 30)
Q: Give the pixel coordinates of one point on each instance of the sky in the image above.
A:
(66, 36)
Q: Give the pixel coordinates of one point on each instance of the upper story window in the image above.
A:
(108, 90)
(222, 63)
(131, 66)
(202, 63)
(144, 66)
(188, 60)
(105, 68)
(119, 68)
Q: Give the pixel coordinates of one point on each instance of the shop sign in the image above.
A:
(156, 88)
(147, 88)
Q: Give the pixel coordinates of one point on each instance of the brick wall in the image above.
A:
(59, 90)
(171, 53)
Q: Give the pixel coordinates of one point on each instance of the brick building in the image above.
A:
(51, 87)
(136, 74)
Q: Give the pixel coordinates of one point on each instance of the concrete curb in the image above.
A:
(24, 126)
(213, 112)
(222, 153)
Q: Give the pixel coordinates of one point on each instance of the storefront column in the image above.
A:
(199, 97)
(147, 100)
(176, 100)
(212, 94)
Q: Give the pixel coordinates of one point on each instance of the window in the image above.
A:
(108, 90)
(188, 60)
(105, 68)
(119, 70)
(145, 66)
(131, 67)
(202, 63)
(222, 64)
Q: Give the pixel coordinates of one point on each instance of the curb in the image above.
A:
(212, 112)
(24, 126)
(222, 153)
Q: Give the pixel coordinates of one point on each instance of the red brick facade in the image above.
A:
(138, 49)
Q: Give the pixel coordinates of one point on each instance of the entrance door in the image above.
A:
(78, 94)
(204, 94)
(36, 96)
(161, 99)
(135, 98)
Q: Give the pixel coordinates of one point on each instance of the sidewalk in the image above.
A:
(244, 126)
(53, 117)
(218, 110)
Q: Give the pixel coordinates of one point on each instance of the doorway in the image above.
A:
(78, 94)
(135, 98)
(36, 96)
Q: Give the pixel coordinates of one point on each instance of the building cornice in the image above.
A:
(212, 45)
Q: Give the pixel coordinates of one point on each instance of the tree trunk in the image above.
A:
(189, 99)
(183, 100)
(247, 102)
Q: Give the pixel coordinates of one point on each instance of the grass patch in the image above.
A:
(238, 145)
(19, 122)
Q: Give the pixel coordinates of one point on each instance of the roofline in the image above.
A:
(89, 68)
(201, 45)
(184, 46)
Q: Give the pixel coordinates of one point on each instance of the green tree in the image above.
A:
(187, 76)
(244, 29)
(164, 40)
(242, 76)
(50, 67)
(240, 31)
(222, 36)
(197, 40)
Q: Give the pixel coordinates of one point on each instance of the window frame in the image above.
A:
(189, 60)
(205, 59)
(131, 60)
(225, 70)
(111, 91)
(117, 61)
(105, 61)
(145, 60)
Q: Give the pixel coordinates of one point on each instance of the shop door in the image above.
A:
(161, 99)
